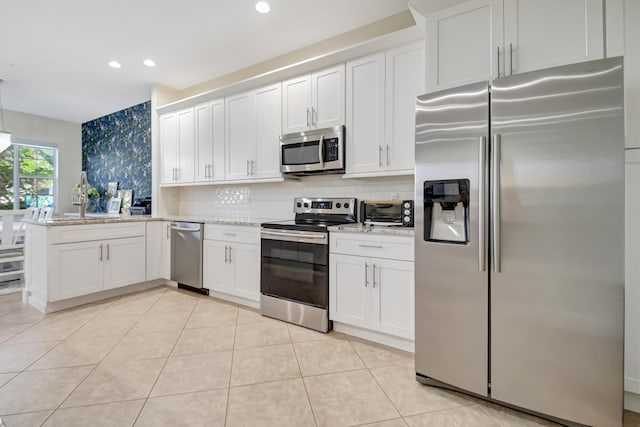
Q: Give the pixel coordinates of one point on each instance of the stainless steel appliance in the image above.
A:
(294, 278)
(519, 241)
(387, 212)
(186, 255)
(313, 152)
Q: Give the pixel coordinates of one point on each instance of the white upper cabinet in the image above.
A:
(381, 97)
(485, 39)
(253, 134)
(544, 33)
(314, 101)
(177, 138)
(209, 141)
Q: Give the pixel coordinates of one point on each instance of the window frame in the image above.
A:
(16, 144)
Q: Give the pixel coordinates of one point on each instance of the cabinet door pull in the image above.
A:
(107, 252)
(374, 275)
(251, 168)
(100, 252)
(247, 167)
(371, 246)
(168, 232)
(314, 116)
(230, 260)
(388, 148)
(177, 174)
(510, 59)
(226, 259)
(366, 274)
(308, 117)
(498, 57)
(230, 234)
(379, 155)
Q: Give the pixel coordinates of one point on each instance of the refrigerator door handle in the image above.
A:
(495, 205)
(482, 210)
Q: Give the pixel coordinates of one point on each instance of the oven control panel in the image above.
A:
(339, 206)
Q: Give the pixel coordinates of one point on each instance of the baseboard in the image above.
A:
(235, 299)
(632, 401)
(379, 337)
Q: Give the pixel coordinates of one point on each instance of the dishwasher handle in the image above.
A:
(193, 230)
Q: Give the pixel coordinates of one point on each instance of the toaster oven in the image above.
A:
(387, 212)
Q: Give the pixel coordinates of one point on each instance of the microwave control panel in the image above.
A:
(331, 149)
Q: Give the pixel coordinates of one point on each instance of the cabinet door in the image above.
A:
(203, 143)
(544, 33)
(393, 297)
(76, 269)
(169, 147)
(166, 250)
(463, 43)
(328, 97)
(186, 145)
(349, 289)
(404, 82)
(217, 272)
(124, 262)
(240, 135)
(365, 114)
(296, 104)
(216, 172)
(268, 107)
(246, 263)
(154, 238)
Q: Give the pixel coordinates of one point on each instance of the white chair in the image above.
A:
(46, 212)
(12, 250)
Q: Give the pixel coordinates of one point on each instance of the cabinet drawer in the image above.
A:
(85, 233)
(231, 233)
(372, 245)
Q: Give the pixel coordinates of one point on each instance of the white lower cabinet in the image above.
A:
(372, 292)
(231, 262)
(82, 268)
(158, 250)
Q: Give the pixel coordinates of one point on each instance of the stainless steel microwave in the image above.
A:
(313, 152)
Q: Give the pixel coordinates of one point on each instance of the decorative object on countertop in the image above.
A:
(114, 205)
(127, 198)
(117, 147)
(112, 190)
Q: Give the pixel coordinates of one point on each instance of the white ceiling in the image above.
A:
(54, 54)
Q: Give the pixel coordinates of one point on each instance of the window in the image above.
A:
(30, 172)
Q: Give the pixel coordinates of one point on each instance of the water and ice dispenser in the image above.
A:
(446, 211)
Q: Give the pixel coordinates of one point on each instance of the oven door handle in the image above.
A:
(294, 236)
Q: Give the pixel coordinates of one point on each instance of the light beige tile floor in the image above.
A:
(164, 357)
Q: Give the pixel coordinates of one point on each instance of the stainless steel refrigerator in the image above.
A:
(519, 241)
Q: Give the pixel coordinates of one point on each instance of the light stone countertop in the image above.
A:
(372, 229)
(110, 219)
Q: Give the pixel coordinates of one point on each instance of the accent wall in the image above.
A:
(117, 147)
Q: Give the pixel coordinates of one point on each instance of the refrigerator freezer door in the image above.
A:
(557, 301)
(451, 278)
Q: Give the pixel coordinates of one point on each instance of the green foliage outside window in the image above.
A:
(36, 176)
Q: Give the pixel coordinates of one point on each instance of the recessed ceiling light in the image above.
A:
(114, 64)
(149, 63)
(263, 7)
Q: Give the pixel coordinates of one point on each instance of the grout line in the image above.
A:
(166, 360)
(304, 384)
(233, 352)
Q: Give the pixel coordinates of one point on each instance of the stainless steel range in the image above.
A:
(294, 279)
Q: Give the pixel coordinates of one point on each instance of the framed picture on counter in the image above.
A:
(126, 196)
(114, 205)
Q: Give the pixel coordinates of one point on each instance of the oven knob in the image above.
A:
(346, 205)
(306, 205)
(407, 211)
(407, 205)
(407, 219)
(299, 204)
(338, 205)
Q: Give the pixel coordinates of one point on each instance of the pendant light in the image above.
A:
(5, 137)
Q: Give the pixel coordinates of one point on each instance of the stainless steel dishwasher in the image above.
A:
(186, 255)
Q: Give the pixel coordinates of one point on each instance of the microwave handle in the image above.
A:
(321, 151)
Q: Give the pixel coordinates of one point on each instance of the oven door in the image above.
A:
(295, 266)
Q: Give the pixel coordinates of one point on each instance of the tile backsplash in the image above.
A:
(275, 200)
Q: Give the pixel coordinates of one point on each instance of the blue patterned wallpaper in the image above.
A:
(117, 147)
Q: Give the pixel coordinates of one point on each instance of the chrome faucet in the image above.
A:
(84, 186)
